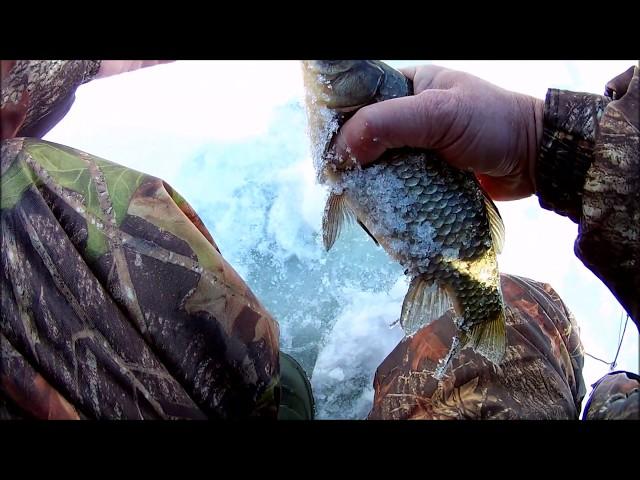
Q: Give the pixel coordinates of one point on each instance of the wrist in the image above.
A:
(535, 138)
(530, 114)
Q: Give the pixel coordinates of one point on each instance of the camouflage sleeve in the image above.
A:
(540, 377)
(37, 94)
(589, 170)
(116, 302)
(566, 151)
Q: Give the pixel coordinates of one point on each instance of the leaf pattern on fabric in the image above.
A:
(540, 378)
(115, 304)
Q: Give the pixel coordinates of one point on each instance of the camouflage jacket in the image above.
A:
(589, 170)
(116, 301)
(37, 94)
(615, 396)
(540, 377)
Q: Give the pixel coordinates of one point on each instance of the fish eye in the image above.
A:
(331, 67)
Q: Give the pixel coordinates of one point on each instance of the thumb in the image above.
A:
(419, 121)
(116, 67)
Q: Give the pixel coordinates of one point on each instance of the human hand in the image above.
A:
(471, 123)
(115, 67)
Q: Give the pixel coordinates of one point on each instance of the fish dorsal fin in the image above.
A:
(368, 232)
(496, 225)
(336, 212)
(425, 301)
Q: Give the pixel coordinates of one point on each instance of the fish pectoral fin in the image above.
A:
(368, 232)
(496, 225)
(489, 338)
(336, 212)
(425, 301)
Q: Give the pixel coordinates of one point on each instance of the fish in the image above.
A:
(432, 218)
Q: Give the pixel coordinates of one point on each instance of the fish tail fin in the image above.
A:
(424, 302)
(489, 338)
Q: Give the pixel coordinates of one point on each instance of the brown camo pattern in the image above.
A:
(540, 378)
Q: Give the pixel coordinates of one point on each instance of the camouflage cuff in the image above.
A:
(91, 70)
(296, 396)
(616, 396)
(570, 123)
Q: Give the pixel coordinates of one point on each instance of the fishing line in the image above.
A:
(613, 364)
(596, 358)
(615, 360)
(620, 325)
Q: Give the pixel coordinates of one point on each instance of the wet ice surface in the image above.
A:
(334, 309)
(247, 170)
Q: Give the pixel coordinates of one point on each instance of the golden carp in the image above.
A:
(431, 217)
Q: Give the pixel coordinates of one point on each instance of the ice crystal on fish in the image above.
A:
(321, 131)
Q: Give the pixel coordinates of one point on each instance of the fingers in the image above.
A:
(116, 67)
(419, 121)
(409, 72)
(427, 77)
(415, 121)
